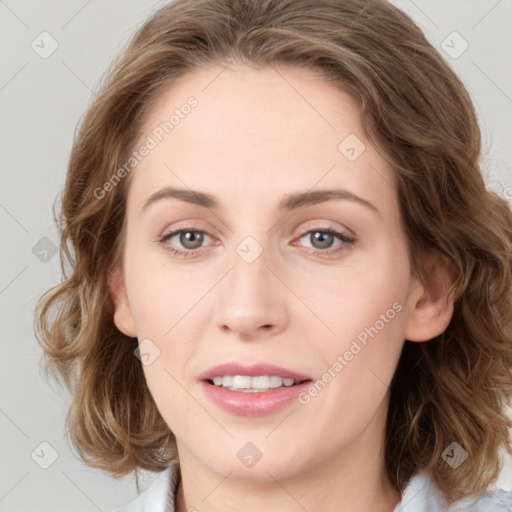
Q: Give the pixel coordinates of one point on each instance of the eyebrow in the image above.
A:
(289, 202)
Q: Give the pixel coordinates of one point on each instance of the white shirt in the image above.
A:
(420, 495)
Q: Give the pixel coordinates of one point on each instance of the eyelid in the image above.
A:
(173, 232)
(190, 225)
(318, 224)
(326, 226)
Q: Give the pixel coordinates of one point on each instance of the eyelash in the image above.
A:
(347, 241)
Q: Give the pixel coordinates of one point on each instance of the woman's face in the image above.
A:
(259, 277)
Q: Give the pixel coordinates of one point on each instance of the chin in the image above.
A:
(247, 463)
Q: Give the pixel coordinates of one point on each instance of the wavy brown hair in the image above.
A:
(419, 115)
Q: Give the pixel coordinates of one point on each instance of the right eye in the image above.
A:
(190, 240)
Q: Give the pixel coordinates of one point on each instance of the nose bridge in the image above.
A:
(251, 297)
(250, 272)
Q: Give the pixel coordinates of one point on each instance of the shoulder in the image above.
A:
(159, 497)
(421, 495)
(492, 501)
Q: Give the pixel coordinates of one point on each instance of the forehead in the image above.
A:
(256, 131)
(240, 101)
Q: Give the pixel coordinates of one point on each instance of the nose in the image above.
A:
(251, 300)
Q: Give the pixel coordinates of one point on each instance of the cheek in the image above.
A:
(162, 296)
(357, 365)
(364, 330)
(357, 299)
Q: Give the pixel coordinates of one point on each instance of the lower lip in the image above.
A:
(252, 403)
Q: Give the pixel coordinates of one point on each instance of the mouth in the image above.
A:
(253, 401)
(252, 390)
(254, 384)
(253, 378)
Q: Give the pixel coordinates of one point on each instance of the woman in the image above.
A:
(287, 286)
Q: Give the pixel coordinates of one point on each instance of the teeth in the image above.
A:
(218, 381)
(252, 384)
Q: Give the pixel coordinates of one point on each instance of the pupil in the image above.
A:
(191, 239)
(325, 239)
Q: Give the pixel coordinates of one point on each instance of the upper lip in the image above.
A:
(251, 370)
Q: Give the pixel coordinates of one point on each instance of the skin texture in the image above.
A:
(255, 136)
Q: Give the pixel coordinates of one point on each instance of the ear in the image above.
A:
(123, 317)
(430, 303)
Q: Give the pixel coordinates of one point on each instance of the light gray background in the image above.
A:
(41, 102)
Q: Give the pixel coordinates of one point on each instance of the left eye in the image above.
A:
(324, 238)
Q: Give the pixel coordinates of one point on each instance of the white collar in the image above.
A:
(160, 495)
(420, 495)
